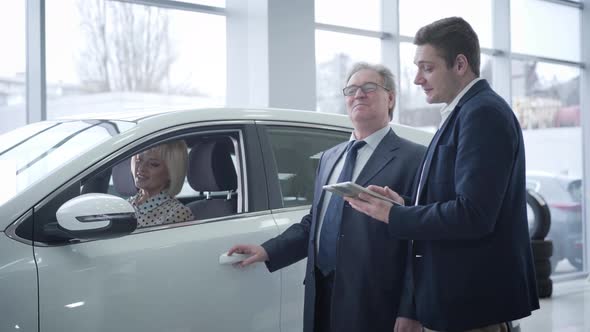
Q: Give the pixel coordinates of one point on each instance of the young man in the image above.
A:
(471, 265)
(355, 272)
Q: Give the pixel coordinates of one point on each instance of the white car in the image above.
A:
(73, 259)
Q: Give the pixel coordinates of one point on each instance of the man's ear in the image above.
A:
(391, 99)
(461, 64)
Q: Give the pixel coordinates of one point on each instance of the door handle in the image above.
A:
(224, 259)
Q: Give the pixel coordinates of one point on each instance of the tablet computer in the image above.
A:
(351, 189)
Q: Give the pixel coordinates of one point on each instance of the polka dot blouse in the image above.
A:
(160, 209)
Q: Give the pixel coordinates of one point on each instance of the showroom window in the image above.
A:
(343, 37)
(112, 57)
(347, 13)
(531, 34)
(546, 101)
(13, 65)
(335, 54)
(477, 13)
(545, 84)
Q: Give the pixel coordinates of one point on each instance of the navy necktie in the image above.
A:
(326, 258)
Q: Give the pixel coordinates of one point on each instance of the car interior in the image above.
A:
(212, 170)
(294, 177)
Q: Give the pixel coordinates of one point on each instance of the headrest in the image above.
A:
(211, 167)
(123, 178)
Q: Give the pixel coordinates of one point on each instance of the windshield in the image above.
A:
(30, 153)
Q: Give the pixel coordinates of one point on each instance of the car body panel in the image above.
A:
(131, 283)
(18, 277)
(292, 276)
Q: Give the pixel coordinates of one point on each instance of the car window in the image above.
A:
(551, 189)
(212, 184)
(575, 190)
(533, 185)
(212, 187)
(297, 152)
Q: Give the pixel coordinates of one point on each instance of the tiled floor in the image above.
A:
(568, 310)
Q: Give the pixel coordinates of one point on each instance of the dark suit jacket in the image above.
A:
(470, 229)
(370, 266)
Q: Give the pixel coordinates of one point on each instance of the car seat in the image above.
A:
(211, 169)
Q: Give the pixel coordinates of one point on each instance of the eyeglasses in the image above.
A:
(366, 88)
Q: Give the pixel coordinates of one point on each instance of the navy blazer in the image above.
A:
(472, 264)
(370, 266)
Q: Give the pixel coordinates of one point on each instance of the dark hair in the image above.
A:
(451, 36)
(384, 72)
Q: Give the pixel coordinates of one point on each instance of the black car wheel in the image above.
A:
(542, 249)
(545, 288)
(540, 220)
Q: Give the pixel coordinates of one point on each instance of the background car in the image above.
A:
(72, 257)
(563, 194)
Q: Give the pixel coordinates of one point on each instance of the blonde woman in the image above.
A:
(159, 176)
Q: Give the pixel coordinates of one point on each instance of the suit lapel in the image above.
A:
(382, 155)
(330, 161)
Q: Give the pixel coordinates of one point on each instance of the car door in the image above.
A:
(292, 153)
(169, 277)
(18, 277)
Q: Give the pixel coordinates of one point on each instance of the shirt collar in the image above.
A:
(447, 109)
(375, 138)
(455, 101)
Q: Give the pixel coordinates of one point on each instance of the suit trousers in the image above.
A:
(503, 327)
(323, 300)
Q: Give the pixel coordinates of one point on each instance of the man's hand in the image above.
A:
(375, 207)
(385, 191)
(258, 253)
(403, 324)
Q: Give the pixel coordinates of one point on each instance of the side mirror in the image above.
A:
(95, 215)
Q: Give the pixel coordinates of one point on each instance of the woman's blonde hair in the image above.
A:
(175, 155)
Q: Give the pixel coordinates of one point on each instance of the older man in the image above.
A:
(354, 270)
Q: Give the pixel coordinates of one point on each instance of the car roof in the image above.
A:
(150, 120)
(205, 114)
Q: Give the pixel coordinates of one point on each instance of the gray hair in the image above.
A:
(384, 72)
